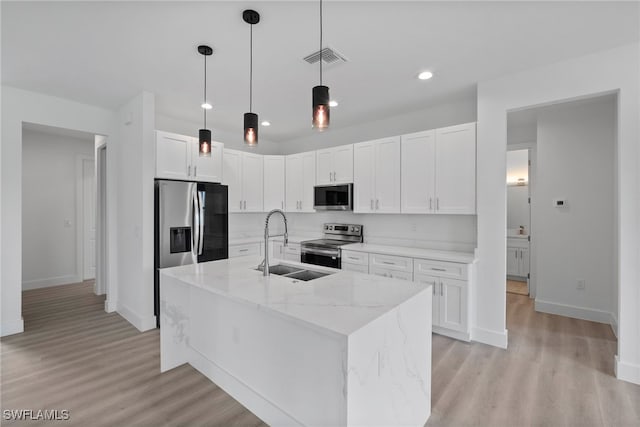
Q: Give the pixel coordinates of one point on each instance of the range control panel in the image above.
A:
(343, 229)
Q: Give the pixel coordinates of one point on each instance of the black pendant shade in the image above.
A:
(321, 117)
(251, 128)
(204, 148)
(204, 145)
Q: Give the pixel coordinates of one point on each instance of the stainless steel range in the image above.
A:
(326, 251)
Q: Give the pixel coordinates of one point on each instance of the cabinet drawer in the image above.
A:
(359, 268)
(390, 262)
(244, 250)
(386, 272)
(440, 268)
(292, 252)
(351, 257)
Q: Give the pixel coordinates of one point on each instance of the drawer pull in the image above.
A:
(388, 263)
(352, 257)
(438, 269)
(244, 250)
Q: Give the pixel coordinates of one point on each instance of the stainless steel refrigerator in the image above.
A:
(191, 225)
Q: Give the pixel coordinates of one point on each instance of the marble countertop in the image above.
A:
(340, 303)
(463, 257)
(517, 236)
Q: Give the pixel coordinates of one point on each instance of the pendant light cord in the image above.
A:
(320, 42)
(204, 101)
(251, 70)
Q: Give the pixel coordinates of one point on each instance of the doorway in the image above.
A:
(518, 221)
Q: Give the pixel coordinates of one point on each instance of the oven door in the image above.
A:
(324, 257)
(333, 197)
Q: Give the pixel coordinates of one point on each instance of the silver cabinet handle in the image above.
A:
(430, 203)
(334, 177)
(330, 177)
(377, 204)
(388, 263)
(244, 250)
(438, 269)
(245, 205)
(189, 170)
(434, 289)
(195, 171)
(441, 290)
(240, 204)
(437, 203)
(371, 204)
(516, 254)
(352, 257)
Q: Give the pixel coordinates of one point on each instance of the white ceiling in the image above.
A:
(105, 53)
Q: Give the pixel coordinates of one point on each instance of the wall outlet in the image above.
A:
(581, 284)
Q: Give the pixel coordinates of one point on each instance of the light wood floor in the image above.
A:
(73, 355)
(517, 287)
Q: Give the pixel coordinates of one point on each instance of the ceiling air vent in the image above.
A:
(329, 57)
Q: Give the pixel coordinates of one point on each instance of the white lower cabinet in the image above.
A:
(245, 249)
(277, 250)
(450, 305)
(292, 252)
(388, 272)
(358, 268)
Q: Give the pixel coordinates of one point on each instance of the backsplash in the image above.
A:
(444, 232)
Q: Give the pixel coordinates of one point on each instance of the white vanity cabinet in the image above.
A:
(376, 176)
(243, 174)
(518, 257)
(334, 165)
(177, 157)
(300, 171)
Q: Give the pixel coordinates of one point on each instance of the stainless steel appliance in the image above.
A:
(326, 251)
(333, 197)
(191, 226)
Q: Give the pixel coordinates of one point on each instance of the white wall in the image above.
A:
(230, 140)
(135, 234)
(455, 112)
(612, 70)
(20, 106)
(576, 146)
(49, 198)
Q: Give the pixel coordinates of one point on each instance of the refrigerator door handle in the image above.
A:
(200, 221)
(195, 226)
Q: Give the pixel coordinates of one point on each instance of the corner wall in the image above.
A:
(603, 72)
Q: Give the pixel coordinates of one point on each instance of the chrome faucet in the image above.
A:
(265, 262)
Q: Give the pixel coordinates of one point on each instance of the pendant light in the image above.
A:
(251, 17)
(320, 95)
(204, 145)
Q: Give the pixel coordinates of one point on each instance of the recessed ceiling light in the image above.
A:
(207, 106)
(333, 103)
(425, 75)
(266, 123)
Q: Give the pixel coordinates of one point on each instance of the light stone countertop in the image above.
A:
(462, 257)
(293, 238)
(340, 303)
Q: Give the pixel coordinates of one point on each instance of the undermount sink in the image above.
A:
(296, 273)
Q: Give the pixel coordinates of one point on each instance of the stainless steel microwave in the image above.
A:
(333, 197)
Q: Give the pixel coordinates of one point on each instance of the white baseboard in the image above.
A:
(50, 281)
(462, 336)
(141, 323)
(110, 306)
(252, 400)
(495, 338)
(12, 327)
(613, 321)
(627, 371)
(591, 314)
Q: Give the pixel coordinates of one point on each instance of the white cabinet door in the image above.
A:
(358, 268)
(456, 169)
(273, 182)
(435, 283)
(293, 182)
(232, 173)
(387, 175)
(324, 166)
(173, 155)
(278, 250)
(343, 164)
(207, 169)
(453, 304)
(308, 180)
(292, 252)
(252, 182)
(364, 177)
(524, 262)
(418, 172)
(513, 261)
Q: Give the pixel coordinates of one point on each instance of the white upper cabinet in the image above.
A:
(177, 158)
(334, 165)
(376, 176)
(456, 169)
(300, 173)
(418, 164)
(439, 171)
(243, 174)
(274, 182)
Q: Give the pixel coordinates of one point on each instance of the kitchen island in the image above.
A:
(344, 349)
